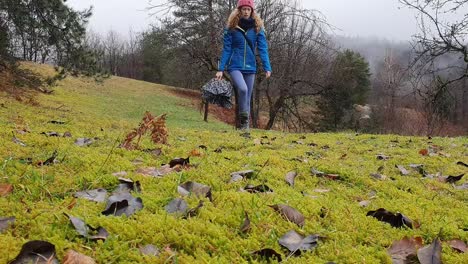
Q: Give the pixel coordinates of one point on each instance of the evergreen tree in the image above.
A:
(350, 85)
(47, 31)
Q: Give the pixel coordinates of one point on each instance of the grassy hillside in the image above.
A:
(43, 196)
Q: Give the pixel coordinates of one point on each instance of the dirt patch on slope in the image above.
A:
(220, 113)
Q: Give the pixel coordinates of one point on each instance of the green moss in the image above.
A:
(42, 195)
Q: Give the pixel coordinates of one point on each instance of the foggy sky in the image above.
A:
(353, 18)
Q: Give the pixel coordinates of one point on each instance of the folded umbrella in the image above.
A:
(217, 92)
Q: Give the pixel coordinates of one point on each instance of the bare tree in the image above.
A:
(388, 88)
(299, 53)
(441, 47)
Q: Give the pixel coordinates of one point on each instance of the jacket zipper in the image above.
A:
(245, 44)
(230, 58)
(245, 50)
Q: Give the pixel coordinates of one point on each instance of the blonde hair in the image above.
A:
(233, 20)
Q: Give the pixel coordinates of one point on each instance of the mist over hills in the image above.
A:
(374, 49)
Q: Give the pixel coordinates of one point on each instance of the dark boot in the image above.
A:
(244, 121)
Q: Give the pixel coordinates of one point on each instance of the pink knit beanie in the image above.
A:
(241, 3)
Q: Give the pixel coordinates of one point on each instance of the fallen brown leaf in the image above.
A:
(424, 152)
(290, 176)
(405, 250)
(179, 161)
(431, 254)
(267, 254)
(457, 245)
(5, 189)
(196, 189)
(364, 203)
(72, 204)
(149, 250)
(396, 220)
(296, 242)
(5, 222)
(290, 214)
(195, 153)
(245, 227)
(152, 171)
(73, 257)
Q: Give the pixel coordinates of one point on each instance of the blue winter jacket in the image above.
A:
(237, 54)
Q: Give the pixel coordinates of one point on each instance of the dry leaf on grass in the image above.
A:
(290, 176)
(96, 195)
(149, 250)
(19, 142)
(195, 188)
(378, 176)
(431, 254)
(262, 188)
(120, 174)
(424, 152)
(49, 161)
(72, 204)
(5, 222)
(194, 211)
(88, 231)
(177, 206)
(451, 179)
(240, 175)
(403, 170)
(295, 242)
(128, 185)
(37, 252)
(268, 254)
(236, 178)
(122, 203)
(462, 187)
(396, 220)
(247, 174)
(245, 227)
(457, 245)
(289, 214)
(330, 176)
(179, 161)
(51, 134)
(57, 122)
(364, 203)
(405, 250)
(154, 172)
(73, 257)
(195, 153)
(155, 125)
(5, 189)
(83, 142)
(382, 157)
(321, 190)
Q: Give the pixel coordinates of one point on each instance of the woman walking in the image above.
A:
(243, 35)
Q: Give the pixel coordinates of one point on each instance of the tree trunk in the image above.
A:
(254, 106)
(274, 112)
(465, 104)
(205, 117)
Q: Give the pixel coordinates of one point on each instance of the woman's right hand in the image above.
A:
(219, 75)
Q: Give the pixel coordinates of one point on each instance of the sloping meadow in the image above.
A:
(211, 195)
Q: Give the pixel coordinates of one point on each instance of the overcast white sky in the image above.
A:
(365, 18)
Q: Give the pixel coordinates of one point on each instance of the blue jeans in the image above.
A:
(244, 83)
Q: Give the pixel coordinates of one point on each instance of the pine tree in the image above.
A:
(47, 31)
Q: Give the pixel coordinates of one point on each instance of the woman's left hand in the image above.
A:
(268, 74)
